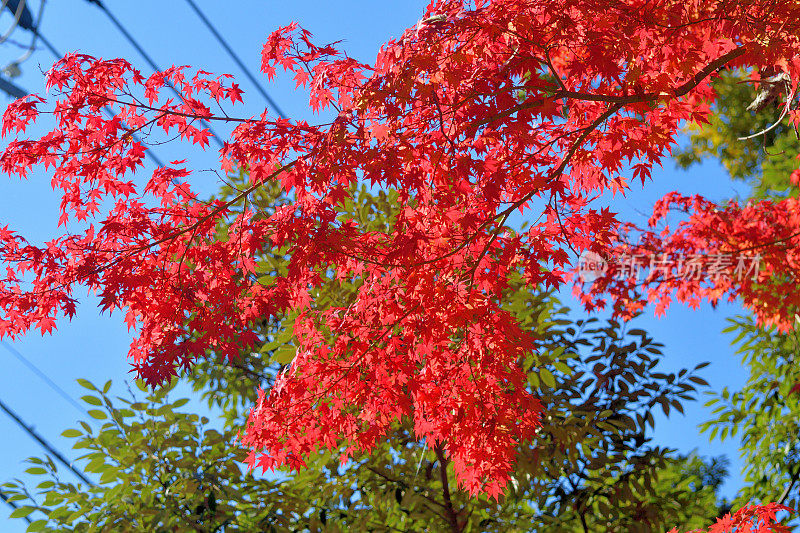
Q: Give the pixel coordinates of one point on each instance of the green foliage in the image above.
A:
(765, 414)
(765, 160)
(155, 469)
(159, 469)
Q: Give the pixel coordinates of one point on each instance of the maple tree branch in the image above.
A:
(708, 69)
(178, 232)
(204, 218)
(679, 91)
(358, 360)
(554, 199)
(553, 70)
(504, 215)
(441, 120)
(733, 249)
(766, 244)
(226, 118)
(618, 101)
(552, 176)
(485, 250)
(452, 515)
(128, 136)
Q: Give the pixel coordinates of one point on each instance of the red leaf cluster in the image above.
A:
(749, 519)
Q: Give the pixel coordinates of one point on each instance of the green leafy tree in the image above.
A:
(157, 469)
(590, 469)
(765, 413)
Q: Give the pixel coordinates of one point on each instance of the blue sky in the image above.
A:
(94, 346)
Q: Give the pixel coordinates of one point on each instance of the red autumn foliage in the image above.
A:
(480, 112)
(749, 519)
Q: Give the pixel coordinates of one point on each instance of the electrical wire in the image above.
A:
(48, 44)
(46, 445)
(20, 11)
(236, 59)
(27, 23)
(11, 89)
(149, 60)
(22, 14)
(12, 505)
(52, 385)
(33, 368)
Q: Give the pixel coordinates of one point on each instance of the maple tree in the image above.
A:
(590, 466)
(483, 111)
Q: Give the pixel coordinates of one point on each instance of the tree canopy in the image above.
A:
(481, 112)
(591, 466)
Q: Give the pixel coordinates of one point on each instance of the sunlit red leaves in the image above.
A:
(716, 252)
(749, 519)
(20, 113)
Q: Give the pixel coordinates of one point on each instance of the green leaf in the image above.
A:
(91, 400)
(266, 280)
(22, 512)
(108, 475)
(98, 414)
(37, 525)
(86, 384)
(71, 433)
(284, 355)
(563, 368)
(547, 378)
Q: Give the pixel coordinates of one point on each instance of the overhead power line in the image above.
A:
(46, 445)
(33, 368)
(49, 45)
(22, 14)
(12, 505)
(148, 59)
(10, 89)
(236, 59)
(24, 19)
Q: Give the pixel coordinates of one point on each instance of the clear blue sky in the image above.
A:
(94, 346)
